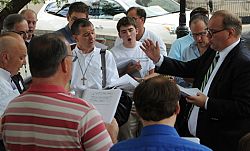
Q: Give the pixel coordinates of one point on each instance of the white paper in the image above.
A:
(123, 63)
(105, 101)
(188, 91)
(126, 83)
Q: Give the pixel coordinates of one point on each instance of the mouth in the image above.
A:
(129, 39)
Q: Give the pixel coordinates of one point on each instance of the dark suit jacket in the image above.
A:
(227, 117)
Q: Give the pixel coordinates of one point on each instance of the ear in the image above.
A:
(68, 17)
(75, 37)
(5, 57)
(119, 34)
(136, 30)
(177, 110)
(65, 66)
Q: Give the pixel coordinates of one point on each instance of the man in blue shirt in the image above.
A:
(180, 44)
(157, 103)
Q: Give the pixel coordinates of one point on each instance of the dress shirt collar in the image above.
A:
(5, 74)
(225, 51)
(159, 129)
(46, 88)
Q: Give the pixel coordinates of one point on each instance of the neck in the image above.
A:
(167, 121)
(85, 51)
(140, 33)
(53, 80)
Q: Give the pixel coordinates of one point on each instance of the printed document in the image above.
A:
(105, 101)
(188, 91)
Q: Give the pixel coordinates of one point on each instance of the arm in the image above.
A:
(92, 130)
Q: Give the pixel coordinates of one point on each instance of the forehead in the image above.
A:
(132, 13)
(199, 24)
(78, 15)
(86, 29)
(215, 22)
(123, 28)
(29, 15)
(22, 26)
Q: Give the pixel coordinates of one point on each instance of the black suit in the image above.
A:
(227, 117)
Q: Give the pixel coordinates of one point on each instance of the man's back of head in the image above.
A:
(156, 99)
(45, 55)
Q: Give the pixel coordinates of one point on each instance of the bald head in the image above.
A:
(12, 52)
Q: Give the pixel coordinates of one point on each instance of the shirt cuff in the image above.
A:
(158, 64)
(206, 103)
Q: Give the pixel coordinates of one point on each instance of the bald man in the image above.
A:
(12, 57)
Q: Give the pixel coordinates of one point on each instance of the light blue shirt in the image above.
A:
(160, 138)
(190, 53)
(179, 45)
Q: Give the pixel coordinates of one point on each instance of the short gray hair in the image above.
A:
(10, 21)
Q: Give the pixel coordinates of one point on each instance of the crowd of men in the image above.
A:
(44, 114)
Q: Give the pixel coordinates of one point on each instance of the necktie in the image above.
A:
(194, 110)
(209, 72)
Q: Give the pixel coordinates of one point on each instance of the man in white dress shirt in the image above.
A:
(12, 57)
(86, 71)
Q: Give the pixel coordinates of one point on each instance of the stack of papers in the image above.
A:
(126, 83)
(188, 91)
(105, 101)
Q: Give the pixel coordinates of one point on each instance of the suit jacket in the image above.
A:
(227, 117)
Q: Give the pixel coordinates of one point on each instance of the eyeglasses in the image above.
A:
(204, 33)
(212, 32)
(73, 56)
(22, 33)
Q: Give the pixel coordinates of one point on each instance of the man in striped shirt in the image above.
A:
(47, 117)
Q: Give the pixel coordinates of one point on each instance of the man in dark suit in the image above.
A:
(221, 115)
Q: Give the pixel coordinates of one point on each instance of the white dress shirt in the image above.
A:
(8, 91)
(91, 70)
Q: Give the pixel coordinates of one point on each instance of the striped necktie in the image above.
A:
(209, 72)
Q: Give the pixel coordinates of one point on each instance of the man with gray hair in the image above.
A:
(17, 23)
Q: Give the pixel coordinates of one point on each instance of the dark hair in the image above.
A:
(45, 54)
(82, 22)
(156, 98)
(139, 12)
(230, 20)
(79, 7)
(125, 21)
(197, 17)
(10, 21)
(199, 10)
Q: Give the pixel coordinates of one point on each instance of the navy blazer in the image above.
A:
(227, 117)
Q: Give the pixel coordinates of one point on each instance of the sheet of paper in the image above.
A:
(188, 91)
(123, 63)
(105, 101)
(126, 83)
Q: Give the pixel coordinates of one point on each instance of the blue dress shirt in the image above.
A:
(158, 138)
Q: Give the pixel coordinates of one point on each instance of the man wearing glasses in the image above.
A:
(221, 112)
(17, 23)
